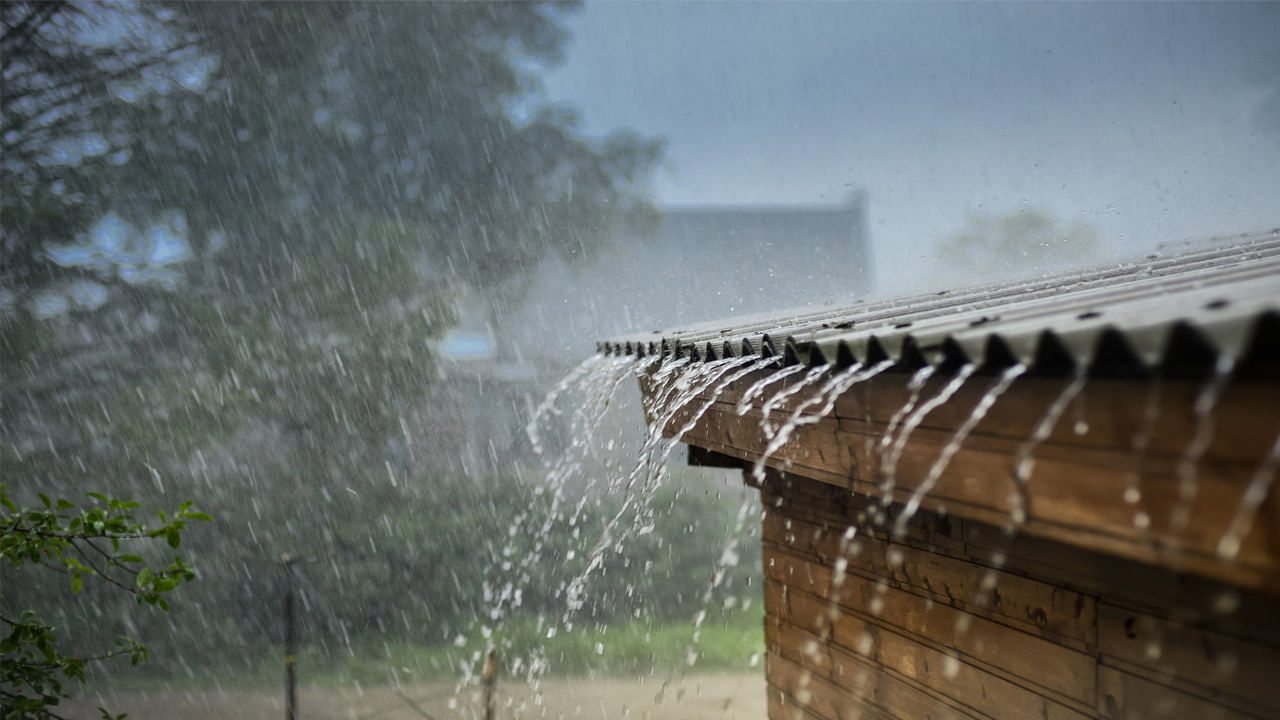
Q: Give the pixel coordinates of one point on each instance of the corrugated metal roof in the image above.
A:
(1186, 310)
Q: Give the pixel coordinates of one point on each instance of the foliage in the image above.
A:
(627, 646)
(1018, 243)
(65, 130)
(339, 173)
(79, 542)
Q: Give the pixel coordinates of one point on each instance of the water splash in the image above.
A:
(598, 388)
(1026, 460)
(1202, 410)
(953, 445)
(583, 396)
(682, 384)
(684, 389)
(729, 557)
(596, 381)
(1254, 495)
(548, 405)
(694, 383)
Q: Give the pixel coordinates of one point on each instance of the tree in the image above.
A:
(65, 130)
(1017, 243)
(336, 172)
(79, 543)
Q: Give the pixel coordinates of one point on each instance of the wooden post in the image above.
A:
(290, 643)
(489, 678)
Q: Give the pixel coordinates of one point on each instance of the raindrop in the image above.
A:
(950, 667)
(1227, 602)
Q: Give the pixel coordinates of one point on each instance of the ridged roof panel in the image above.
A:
(1179, 310)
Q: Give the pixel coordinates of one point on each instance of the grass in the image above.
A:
(734, 643)
(731, 643)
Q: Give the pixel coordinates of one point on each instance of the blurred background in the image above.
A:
(315, 265)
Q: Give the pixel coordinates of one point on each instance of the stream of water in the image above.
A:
(835, 386)
(949, 450)
(1254, 495)
(1202, 411)
(1025, 461)
(681, 394)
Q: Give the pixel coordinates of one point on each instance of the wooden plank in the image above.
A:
(968, 685)
(1074, 498)
(1078, 486)
(986, 643)
(699, 457)
(881, 694)
(775, 598)
(1053, 612)
(784, 707)
(1125, 696)
(1111, 409)
(790, 573)
(1229, 671)
(794, 496)
(914, 663)
(1126, 583)
(802, 648)
(807, 691)
(922, 658)
(1247, 419)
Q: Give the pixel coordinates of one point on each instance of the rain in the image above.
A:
(638, 360)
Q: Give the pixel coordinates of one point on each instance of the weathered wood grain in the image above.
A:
(907, 632)
(1099, 605)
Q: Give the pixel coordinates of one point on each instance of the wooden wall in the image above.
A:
(956, 621)
(1076, 492)
(1101, 606)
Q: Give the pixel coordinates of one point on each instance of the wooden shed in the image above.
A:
(1050, 499)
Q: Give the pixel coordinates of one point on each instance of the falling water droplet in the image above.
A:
(950, 667)
(865, 643)
(1226, 603)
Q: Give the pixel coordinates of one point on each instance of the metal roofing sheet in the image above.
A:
(1169, 311)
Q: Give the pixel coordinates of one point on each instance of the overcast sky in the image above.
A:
(1154, 122)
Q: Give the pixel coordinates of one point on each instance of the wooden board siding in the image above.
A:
(1081, 471)
(908, 633)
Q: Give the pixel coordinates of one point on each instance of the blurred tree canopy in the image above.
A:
(1017, 243)
(230, 232)
(274, 129)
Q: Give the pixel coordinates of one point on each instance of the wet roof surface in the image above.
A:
(1182, 311)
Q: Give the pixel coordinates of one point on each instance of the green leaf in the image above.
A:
(175, 537)
(144, 577)
(45, 499)
(129, 558)
(77, 584)
(200, 516)
(98, 496)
